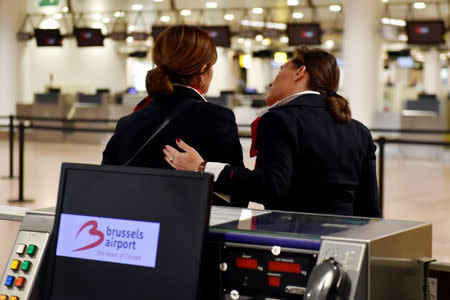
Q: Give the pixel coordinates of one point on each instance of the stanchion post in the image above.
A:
(21, 164)
(381, 143)
(11, 146)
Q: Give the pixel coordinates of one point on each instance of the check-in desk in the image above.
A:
(255, 254)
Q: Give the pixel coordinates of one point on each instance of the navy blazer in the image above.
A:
(308, 162)
(211, 129)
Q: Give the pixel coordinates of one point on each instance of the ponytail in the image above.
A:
(157, 83)
(339, 107)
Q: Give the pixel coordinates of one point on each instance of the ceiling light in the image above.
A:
(240, 40)
(252, 23)
(284, 39)
(164, 19)
(419, 5)
(297, 15)
(228, 17)
(329, 44)
(245, 61)
(96, 16)
(443, 56)
(131, 28)
(119, 14)
(266, 42)
(130, 39)
(335, 7)
(257, 10)
(98, 25)
(292, 2)
(185, 12)
(158, 0)
(248, 43)
(273, 25)
(403, 37)
(106, 20)
(395, 22)
(211, 4)
(136, 7)
(65, 9)
(49, 24)
(259, 37)
(384, 1)
(57, 16)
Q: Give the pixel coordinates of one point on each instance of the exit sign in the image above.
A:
(48, 2)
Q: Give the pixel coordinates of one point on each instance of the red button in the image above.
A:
(20, 282)
(274, 281)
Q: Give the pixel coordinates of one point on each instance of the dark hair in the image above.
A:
(179, 54)
(324, 78)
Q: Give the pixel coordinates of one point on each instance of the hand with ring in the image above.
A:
(189, 160)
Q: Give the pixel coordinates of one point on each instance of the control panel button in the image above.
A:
(3, 297)
(26, 266)
(31, 250)
(20, 282)
(14, 298)
(21, 249)
(9, 281)
(15, 264)
(274, 281)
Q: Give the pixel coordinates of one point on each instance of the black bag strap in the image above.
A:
(170, 117)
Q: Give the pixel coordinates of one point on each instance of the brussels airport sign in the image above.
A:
(106, 239)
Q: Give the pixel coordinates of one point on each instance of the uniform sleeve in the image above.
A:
(271, 178)
(367, 203)
(110, 154)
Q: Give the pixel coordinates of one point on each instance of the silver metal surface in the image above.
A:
(12, 213)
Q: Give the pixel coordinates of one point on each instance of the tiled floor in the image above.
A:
(414, 189)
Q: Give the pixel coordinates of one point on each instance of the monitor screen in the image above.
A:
(126, 232)
(87, 37)
(304, 34)
(220, 34)
(425, 32)
(48, 37)
(406, 62)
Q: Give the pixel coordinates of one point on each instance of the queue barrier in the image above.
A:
(381, 141)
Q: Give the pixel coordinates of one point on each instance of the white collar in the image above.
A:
(287, 100)
(189, 87)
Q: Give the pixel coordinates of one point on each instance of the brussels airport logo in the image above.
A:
(93, 231)
(113, 240)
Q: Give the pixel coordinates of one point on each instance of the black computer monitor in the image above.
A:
(48, 37)
(128, 233)
(304, 34)
(425, 32)
(88, 37)
(219, 34)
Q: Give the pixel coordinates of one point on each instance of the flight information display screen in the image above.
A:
(128, 233)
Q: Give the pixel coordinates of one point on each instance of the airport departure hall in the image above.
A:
(225, 149)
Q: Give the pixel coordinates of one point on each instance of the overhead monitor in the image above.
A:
(89, 37)
(425, 32)
(304, 34)
(220, 34)
(48, 37)
(128, 233)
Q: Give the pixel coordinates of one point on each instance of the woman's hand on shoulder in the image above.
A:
(189, 160)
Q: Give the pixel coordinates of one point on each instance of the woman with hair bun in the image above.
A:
(184, 57)
(311, 155)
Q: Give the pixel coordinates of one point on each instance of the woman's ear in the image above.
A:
(300, 72)
(203, 69)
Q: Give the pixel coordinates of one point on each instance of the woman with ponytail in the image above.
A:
(311, 155)
(184, 57)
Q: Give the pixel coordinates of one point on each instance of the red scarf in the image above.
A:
(254, 129)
